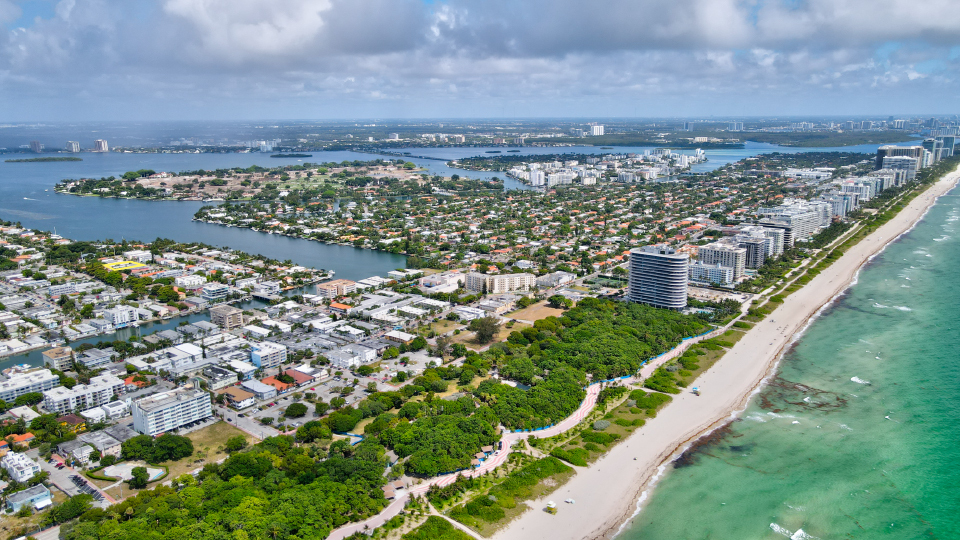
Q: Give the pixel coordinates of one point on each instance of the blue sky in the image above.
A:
(250, 59)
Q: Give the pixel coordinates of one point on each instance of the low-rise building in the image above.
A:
(238, 398)
(25, 382)
(19, 466)
(37, 496)
(101, 390)
(218, 377)
(259, 390)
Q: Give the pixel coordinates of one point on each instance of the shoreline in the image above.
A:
(611, 493)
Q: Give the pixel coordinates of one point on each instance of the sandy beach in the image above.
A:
(608, 492)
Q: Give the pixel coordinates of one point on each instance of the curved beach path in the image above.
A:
(509, 439)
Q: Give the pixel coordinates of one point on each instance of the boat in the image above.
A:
(492, 152)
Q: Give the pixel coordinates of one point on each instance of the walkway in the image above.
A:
(499, 457)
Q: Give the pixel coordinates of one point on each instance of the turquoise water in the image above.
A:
(857, 436)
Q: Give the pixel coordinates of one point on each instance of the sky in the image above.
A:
(345, 59)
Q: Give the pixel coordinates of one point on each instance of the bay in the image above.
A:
(856, 436)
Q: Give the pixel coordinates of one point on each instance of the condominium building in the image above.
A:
(215, 292)
(724, 254)
(799, 219)
(500, 283)
(58, 358)
(756, 248)
(226, 316)
(164, 412)
(596, 131)
(890, 150)
(335, 288)
(35, 380)
(101, 390)
(121, 316)
(267, 354)
(100, 145)
(190, 282)
(711, 273)
(658, 276)
(19, 466)
(73, 147)
(909, 166)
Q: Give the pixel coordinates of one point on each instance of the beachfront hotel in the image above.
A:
(658, 277)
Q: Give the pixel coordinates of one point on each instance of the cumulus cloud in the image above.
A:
(459, 57)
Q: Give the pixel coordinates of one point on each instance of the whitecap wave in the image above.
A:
(902, 308)
(858, 380)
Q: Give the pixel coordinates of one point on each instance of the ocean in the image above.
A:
(856, 435)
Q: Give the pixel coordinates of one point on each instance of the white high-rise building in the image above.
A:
(536, 177)
(100, 145)
(596, 131)
(73, 147)
(658, 276)
(164, 412)
(727, 255)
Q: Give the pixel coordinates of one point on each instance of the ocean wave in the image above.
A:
(858, 380)
(799, 535)
(902, 308)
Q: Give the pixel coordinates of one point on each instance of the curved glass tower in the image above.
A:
(658, 276)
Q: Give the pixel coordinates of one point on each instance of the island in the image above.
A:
(50, 159)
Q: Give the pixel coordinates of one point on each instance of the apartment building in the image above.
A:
(335, 288)
(102, 388)
(35, 380)
(658, 277)
(168, 411)
(226, 316)
(500, 283)
(267, 354)
(121, 316)
(58, 358)
(19, 466)
(724, 254)
(711, 273)
(190, 282)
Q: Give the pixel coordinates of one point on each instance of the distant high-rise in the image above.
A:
(100, 145)
(889, 150)
(36, 146)
(658, 276)
(73, 147)
(735, 126)
(596, 131)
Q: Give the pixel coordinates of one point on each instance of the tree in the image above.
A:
(556, 301)
(486, 328)
(371, 387)
(337, 402)
(295, 410)
(235, 443)
(320, 408)
(138, 478)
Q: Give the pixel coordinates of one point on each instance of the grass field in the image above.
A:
(469, 338)
(536, 312)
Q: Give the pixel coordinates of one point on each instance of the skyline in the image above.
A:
(144, 60)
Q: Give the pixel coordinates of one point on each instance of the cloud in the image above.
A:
(454, 57)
